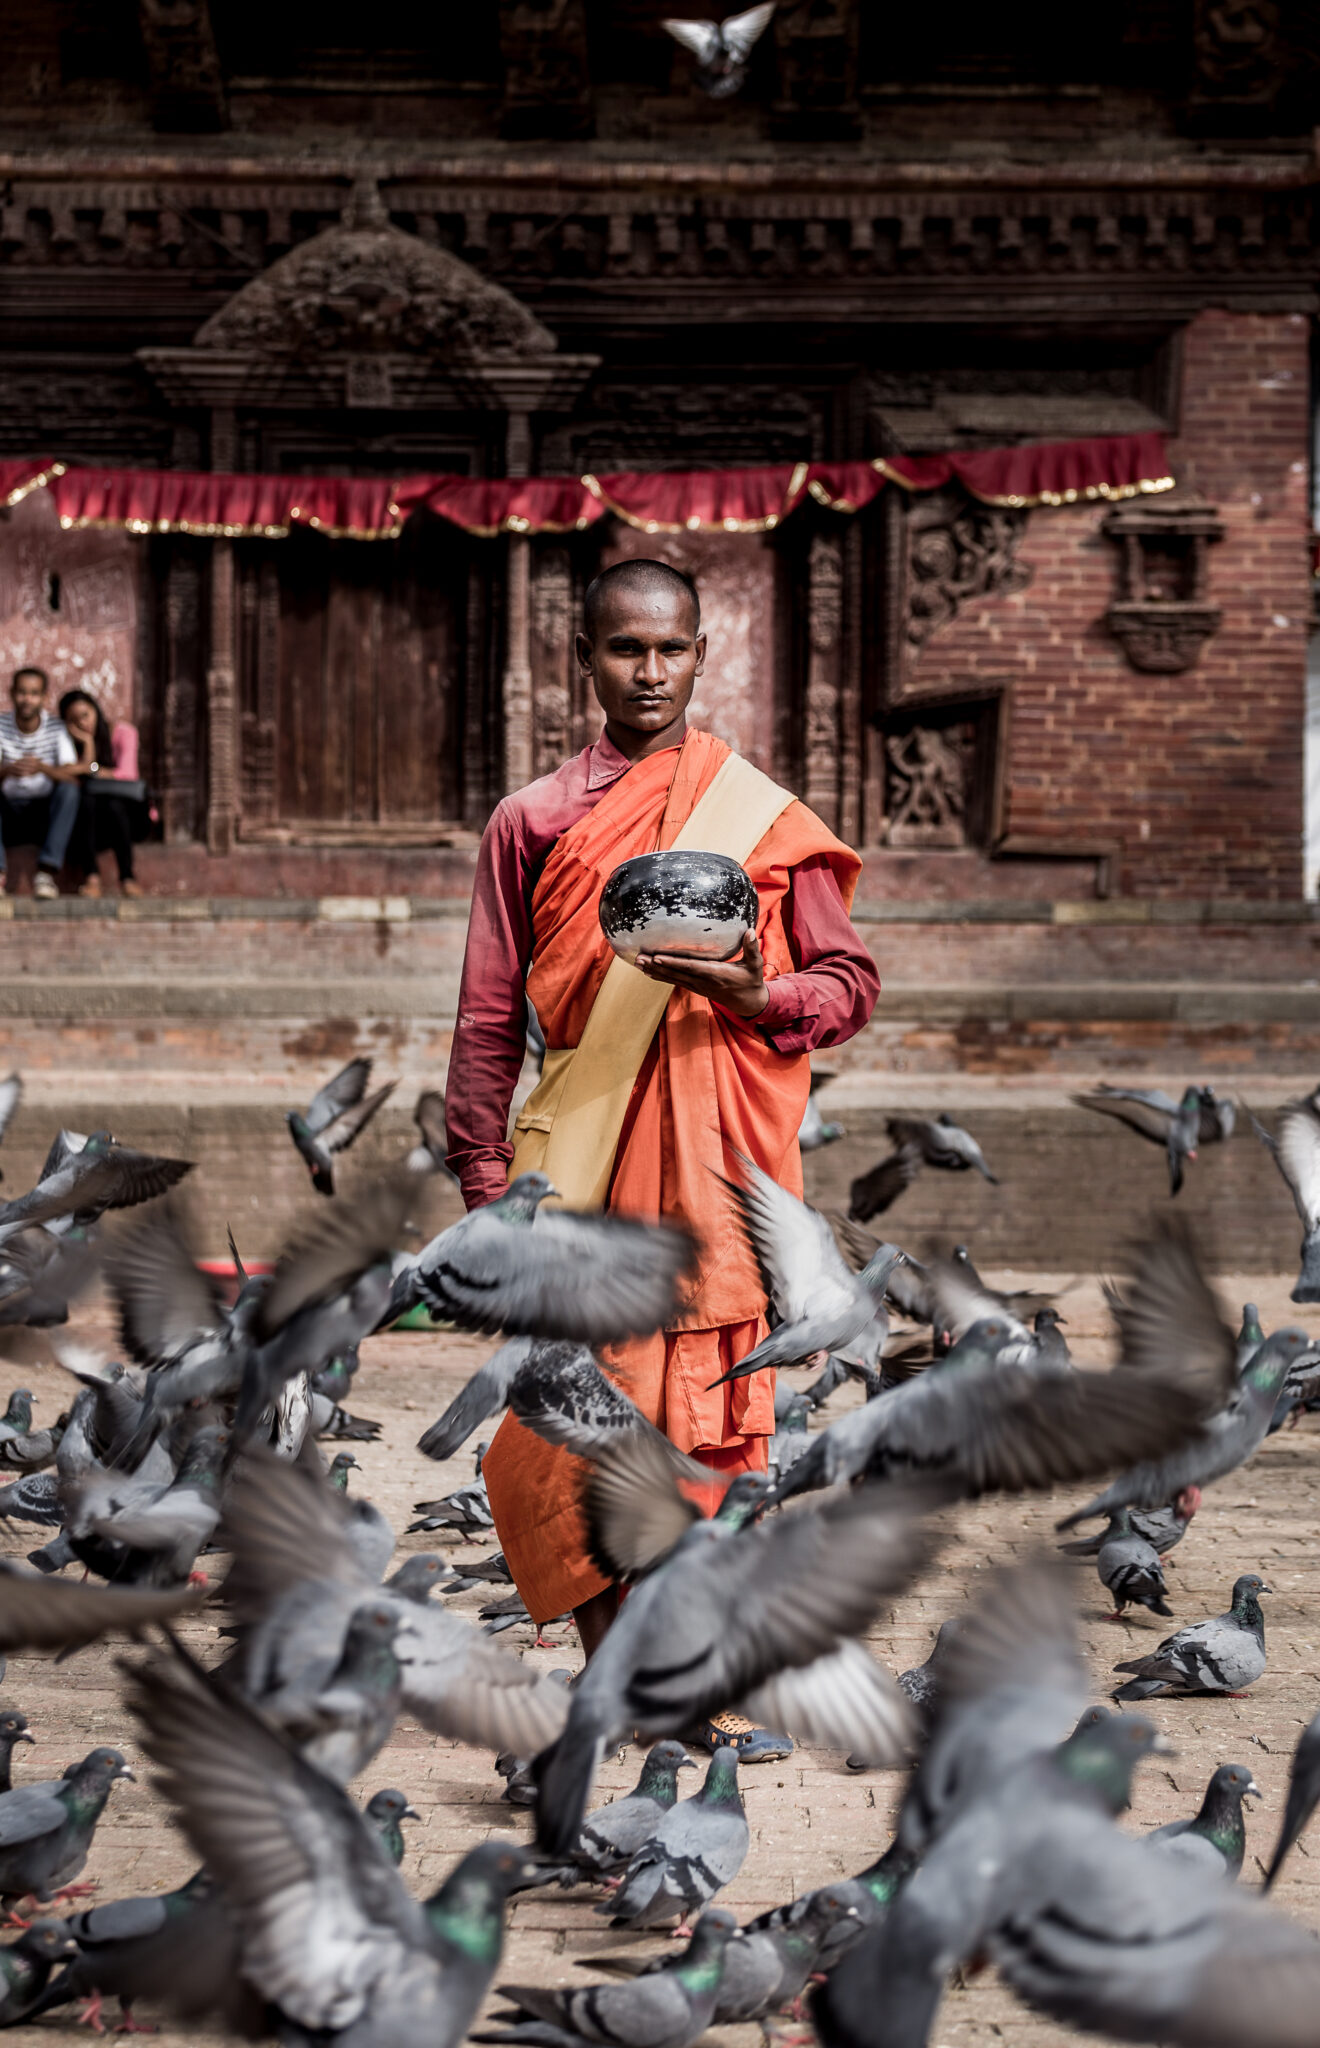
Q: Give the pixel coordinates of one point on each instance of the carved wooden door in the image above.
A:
(355, 686)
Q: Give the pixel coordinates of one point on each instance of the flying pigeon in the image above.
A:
(1296, 1149)
(697, 1848)
(1181, 1319)
(1180, 1127)
(513, 1267)
(430, 1155)
(1303, 1795)
(821, 1305)
(1225, 1654)
(46, 1829)
(1162, 1528)
(667, 2007)
(326, 1931)
(1130, 1568)
(722, 48)
(1215, 1838)
(336, 1115)
(153, 1530)
(101, 1174)
(731, 1615)
(38, 1613)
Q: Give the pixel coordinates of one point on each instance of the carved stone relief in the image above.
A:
(929, 773)
(958, 550)
(1162, 615)
(552, 660)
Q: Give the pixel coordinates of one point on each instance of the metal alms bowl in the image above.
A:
(701, 904)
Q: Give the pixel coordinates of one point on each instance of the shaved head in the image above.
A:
(643, 578)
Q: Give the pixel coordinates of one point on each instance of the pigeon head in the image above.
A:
(703, 1963)
(664, 1760)
(524, 1197)
(829, 1905)
(102, 1763)
(46, 1941)
(416, 1575)
(1234, 1781)
(390, 1805)
(1102, 1754)
(19, 1411)
(1269, 1366)
(743, 1500)
(1246, 1592)
(1047, 1319)
(885, 1877)
(794, 1418)
(343, 1463)
(979, 1344)
(371, 1628)
(14, 1728)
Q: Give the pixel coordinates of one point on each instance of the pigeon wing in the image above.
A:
(429, 1117)
(284, 1526)
(589, 1279)
(877, 1190)
(701, 37)
(166, 1303)
(1142, 1117)
(456, 1683)
(348, 1086)
(742, 31)
(322, 1916)
(340, 1133)
(11, 1094)
(1297, 1153)
(1170, 1322)
(635, 1512)
(41, 1613)
(562, 1395)
(485, 1393)
(29, 1812)
(793, 1245)
(340, 1242)
(844, 1700)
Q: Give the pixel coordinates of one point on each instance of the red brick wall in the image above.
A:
(1197, 776)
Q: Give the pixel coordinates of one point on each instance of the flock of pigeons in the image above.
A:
(204, 1438)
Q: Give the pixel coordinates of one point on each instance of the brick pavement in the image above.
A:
(810, 1819)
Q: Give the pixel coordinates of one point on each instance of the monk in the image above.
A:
(725, 1068)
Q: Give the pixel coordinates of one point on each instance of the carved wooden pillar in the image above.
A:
(552, 659)
(221, 676)
(824, 656)
(518, 625)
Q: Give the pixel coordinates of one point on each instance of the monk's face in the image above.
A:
(645, 656)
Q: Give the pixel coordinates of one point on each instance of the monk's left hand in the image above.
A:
(737, 985)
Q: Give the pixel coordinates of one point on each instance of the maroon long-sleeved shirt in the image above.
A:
(826, 1002)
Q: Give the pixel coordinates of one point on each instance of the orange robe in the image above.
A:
(709, 1083)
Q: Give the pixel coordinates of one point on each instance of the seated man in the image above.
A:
(39, 780)
(714, 1060)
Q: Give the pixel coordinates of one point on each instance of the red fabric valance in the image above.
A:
(663, 501)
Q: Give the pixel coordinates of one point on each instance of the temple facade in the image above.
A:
(540, 239)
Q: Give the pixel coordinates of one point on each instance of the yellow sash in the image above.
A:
(569, 1126)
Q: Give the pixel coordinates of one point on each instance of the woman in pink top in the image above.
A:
(105, 821)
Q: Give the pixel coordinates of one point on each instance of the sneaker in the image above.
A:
(754, 1745)
(45, 886)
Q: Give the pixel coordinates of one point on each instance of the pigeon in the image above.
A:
(25, 1967)
(667, 2007)
(821, 1305)
(175, 1949)
(992, 1425)
(1216, 1837)
(33, 1499)
(38, 1613)
(1296, 1149)
(1180, 1319)
(942, 1144)
(83, 1184)
(1303, 1794)
(922, 1682)
(467, 1511)
(880, 1187)
(790, 1440)
(154, 1530)
(430, 1155)
(325, 1929)
(42, 1269)
(1225, 1654)
(731, 1615)
(1130, 1568)
(323, 1647)
(814, 1131)
(870, 1894)
(722, 48)
(1162, 1528)
(1051, 1344)
(697, 1848)
(587, 1279)
(558, 1391)
(1181, 1127)
(46, 1830)
(13, 1730)
(11, 1094)
(613, 1834)
(172, 1319)
(386, 1812)
(336, 1115)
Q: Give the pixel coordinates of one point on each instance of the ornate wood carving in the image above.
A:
(958, 550)
(187, 84)
(1162, 616)
(552, 658)
(547, 82)
(928, 786)
(816, 45)
(222, 739)
(824, 657)
(1240, 57)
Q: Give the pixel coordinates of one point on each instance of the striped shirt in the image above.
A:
(50, 742)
